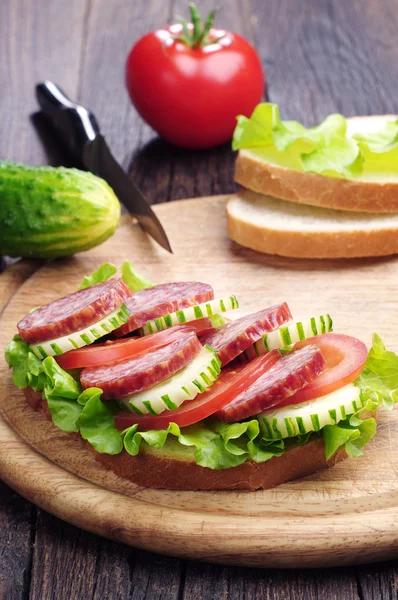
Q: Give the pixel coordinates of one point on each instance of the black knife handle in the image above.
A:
(74, 124)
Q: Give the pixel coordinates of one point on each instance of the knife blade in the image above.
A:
(78, 129)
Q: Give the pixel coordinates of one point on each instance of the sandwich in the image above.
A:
(173, 388)
(330, 191)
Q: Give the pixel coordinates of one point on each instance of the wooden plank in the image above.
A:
(16, 517)
(378, 581)
(39, 39)
(103, 90)
(203, 582)
(70, 563)
(323, 57)
(155, 577)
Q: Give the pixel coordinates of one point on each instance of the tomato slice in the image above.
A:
(230, 384)
(345, 358)
(112, 351)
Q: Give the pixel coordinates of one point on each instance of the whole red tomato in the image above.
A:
(189, 82)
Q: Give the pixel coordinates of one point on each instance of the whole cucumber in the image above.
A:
(48, 212)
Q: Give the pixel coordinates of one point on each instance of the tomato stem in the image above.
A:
(197, 35)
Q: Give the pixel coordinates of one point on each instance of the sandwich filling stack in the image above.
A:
(170, 393)
(329, 191)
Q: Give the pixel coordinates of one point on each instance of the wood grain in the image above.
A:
(35, 44)
(338, 57)
(348, 514)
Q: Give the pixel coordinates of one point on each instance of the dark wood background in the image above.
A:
(320, 56)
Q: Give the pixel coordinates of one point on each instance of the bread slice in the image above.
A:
(255, 173)
(175, 470)
(173, 467)
(274, 226)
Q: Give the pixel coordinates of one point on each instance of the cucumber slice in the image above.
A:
(289, 334)
(192, 380)
(84, 337)
(199, 311)
(305, 417)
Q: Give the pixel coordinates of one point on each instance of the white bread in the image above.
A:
(274, 226)
(359, 194)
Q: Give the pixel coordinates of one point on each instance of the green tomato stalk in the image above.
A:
(197, 36)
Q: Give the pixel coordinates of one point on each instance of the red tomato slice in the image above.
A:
(345, 358)
(111, 351)
(230, 384)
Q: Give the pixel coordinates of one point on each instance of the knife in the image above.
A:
(78, 129)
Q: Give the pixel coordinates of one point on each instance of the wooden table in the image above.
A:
(320, 56)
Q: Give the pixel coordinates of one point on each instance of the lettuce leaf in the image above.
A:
(61, 391)
(103, 273)
(379, 379)
(96, 423)
(27, 369)
(326, 149)
(59, 388)
(216, 445)
(351, 437)
(134, 280)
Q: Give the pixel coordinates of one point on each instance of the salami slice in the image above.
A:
(161, 300)
(73, 312)
(290, 374)
(142, 372)
(232, 339)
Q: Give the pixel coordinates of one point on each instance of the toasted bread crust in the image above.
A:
(317, 190)
(311, 244)
(153, 471)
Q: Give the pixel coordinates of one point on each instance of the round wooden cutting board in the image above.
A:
(345, 515)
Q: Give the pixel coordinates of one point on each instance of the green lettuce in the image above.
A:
(134, 280)
(27, 369)
(326, 149)
(351, 437)
(59, 388)
(96, 422)
(379, 379)
(130, 276)
(103, 273)
(216, 445)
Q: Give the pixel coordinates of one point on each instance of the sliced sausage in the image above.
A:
(232, 339)
(161, 300)
(73, 312)
(289, 375)
(142, 372)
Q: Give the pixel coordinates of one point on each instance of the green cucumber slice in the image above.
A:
(305, 417)
(289, 334)
(206, 309)
(192, 380)
(84, 337)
